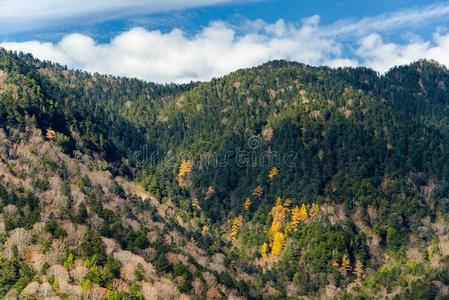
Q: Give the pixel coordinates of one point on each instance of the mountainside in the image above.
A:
(279, 181)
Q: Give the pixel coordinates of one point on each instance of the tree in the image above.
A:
(345, 266)
(273, 173)
(247, 204)
(92, 245)
(296, 218)
(51, 134)
(278, 217)
(82, 215)
(358, 270)
(278, 244)
(184, 169)
(196, 204)
(303, 213)
(258, 192)
(314, 210)
(236, 223)
(264, 250)
(139, 272)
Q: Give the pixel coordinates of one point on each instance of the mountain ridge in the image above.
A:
(282, 180)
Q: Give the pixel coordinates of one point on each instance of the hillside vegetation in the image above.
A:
(279, 181)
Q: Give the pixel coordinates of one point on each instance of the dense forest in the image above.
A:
(281, 181)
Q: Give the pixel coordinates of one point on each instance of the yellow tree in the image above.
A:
(296, 218)
(196, 204)
(273, 173)
(345, 266)
(184, 169)
(303, 213)
(278, 244)
(264, 250)
(278, 217)
(236, 223)
(247, 204)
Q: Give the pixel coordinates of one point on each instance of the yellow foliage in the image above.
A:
(273, 173)
(236, 223)
(345, 266)
(299, 214)
(247, 204)
(335, 264)
(295, 218)
(51, 134)
(278, 215)
(196, 204)
(303, 213)
(184, 169)
(288, 202)
(278, 244)
(264, 250)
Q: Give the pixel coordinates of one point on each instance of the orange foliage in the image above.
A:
(184, 169)
(51, 134)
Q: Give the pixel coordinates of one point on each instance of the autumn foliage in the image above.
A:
(236, 223)
(184, 170)
(273, 173)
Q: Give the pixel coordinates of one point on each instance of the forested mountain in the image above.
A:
(279, 181)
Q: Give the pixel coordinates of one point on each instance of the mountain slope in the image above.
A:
(278, 181)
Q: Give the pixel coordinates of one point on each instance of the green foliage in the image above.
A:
(14, 273)
(92, 246)
(55, 230)
(28, 209)
(346, 138)
(111, 270)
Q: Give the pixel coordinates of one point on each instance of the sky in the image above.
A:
(195, 40)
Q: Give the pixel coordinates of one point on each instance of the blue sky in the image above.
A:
(183, 40)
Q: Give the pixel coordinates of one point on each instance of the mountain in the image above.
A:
(279, 181)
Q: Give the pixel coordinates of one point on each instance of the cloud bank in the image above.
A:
(219, 48)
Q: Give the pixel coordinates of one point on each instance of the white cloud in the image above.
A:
(25, 14)
(173, 56)
(219, 49)
(380, 55)
(384, 22)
